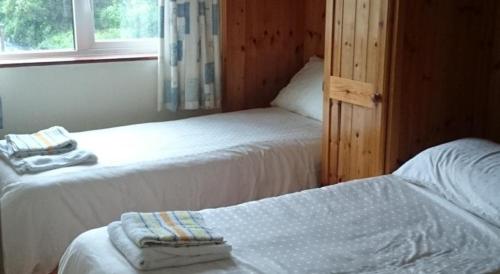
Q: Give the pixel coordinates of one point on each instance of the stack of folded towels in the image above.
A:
(45, 150)
(166, 239)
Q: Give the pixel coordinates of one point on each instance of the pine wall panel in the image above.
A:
(441, 75)
(265, 43)
(492, 128)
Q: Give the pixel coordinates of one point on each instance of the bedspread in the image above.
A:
(196, 163)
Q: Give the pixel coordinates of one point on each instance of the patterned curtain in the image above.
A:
(189, 74)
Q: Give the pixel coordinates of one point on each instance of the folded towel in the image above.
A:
(172, 228)
(54, 140)
(155, 257)
(39, 163)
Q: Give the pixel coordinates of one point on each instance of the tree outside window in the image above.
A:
(34, 25)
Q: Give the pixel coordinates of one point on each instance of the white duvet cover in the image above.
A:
(195, 163)
(377, 225)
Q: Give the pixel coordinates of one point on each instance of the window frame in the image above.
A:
(85, 44)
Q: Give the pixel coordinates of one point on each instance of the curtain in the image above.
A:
(189, 73)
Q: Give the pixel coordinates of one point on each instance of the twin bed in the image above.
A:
(202, 162)
(440, 213)
(196, 163)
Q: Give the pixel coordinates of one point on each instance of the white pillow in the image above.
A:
(466, 172)
(304, 93)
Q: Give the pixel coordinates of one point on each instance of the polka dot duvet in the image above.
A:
(377, 225)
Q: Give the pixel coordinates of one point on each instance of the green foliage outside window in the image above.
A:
(37, 24)
(48, 24)
(125, 19)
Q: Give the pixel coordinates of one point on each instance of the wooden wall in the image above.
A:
(314, 39)
(446, 65)
(265, 44)
(492, 128)
(440, 75)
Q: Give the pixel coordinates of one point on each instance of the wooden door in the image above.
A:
(355, 97)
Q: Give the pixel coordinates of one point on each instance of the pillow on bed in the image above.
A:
(466, 172)
(304, 93)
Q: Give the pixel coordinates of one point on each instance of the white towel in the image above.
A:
(35, 164)
(54, 140)
(155, 257)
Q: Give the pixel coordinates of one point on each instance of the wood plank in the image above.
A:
(338, 6)
(361, 117)
(314, 36)
(336, 111)
(335, 51)
(438, 75)
(492, 124)
(382, 27)
(263, 48)
(255, 50)
(346, 71)
(361, 39)
(393, 118)
(234, 47)
(373, 143)
(352, 92)
(329, 145)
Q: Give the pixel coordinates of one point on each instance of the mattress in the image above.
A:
(201, 162)
(377, 225)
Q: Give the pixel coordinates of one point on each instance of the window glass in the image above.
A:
(34, 25)
(125, 19)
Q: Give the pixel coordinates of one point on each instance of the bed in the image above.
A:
(211, 161)
(439, 213)
(201, 162)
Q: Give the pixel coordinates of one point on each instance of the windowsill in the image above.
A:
(75, 60)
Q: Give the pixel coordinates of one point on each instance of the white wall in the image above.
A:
(80, 97)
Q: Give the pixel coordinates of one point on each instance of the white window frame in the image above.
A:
(85, 43)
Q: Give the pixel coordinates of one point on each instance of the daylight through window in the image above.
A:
(47, 28)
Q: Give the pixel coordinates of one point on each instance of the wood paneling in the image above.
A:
(265, 44)
(444, 69)
(329, 147)
(314, 17)
(439, 75)
(352, 92)
(492, 126)
(444, 80)
(356, 84)
(233, 53)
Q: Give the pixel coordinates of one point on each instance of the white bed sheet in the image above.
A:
(195, 163)
(377, 225)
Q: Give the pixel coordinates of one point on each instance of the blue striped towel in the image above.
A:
(55, 140)
(171, 228)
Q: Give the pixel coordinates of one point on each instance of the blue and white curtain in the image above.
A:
(189, 55)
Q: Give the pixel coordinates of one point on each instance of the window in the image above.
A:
(53, 28)
(124, 20)
(32, 25)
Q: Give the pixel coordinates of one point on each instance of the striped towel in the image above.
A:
(160, 256)
(40, 163)
(55, 140)
(172, 228)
